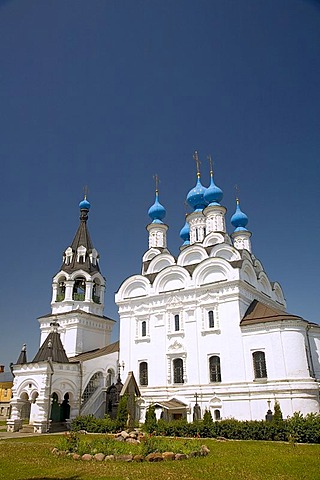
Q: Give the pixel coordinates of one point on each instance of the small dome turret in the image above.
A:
(157, 212)
(213, 194)
(185, 234)
(84, 204)
(239, 219)
(195, 197)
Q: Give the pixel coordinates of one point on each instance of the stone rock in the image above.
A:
(119, 439)
(168, 456)
(109, 458)
(204, 450)
(221, 439)
(76, 456)
(132, 440)
(99, 457)
(55, 451)
(180, 456)
(133, 434)
(154, 457)
(124, 458)
(124, 434)
(83, 432)
(86, 457)
(195, 454)
(138, 458)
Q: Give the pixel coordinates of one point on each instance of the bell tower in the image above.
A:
(78, 295)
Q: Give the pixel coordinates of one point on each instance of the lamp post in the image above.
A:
(269, 416)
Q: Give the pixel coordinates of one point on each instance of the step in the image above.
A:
(58, 427)
(27, 429)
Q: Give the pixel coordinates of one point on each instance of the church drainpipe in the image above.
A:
(81, 375)
(50, 391)
(312, 374)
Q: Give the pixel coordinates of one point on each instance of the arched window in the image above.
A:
(143, 374)
(110, 377)
(214, 369)
(144, 328)
(94, 383)
(217, 415)
(178, 370)
(211, 319)
(61, 290)
(96, 291)
(259, 365)
(176, 323)
(79, 289)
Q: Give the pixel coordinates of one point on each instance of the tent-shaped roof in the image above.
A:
(260, 313)
(51, 348)
(130, 386)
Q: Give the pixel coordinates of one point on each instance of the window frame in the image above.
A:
(143, 375)
(259, 365)
(214, 369)
(178, 371)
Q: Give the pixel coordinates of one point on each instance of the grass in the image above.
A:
(3, 425)
(31, 458)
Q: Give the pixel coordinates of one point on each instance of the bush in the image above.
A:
(94, 425)
(122, 413)
(150, 423)
(297, 428)
(207, 418)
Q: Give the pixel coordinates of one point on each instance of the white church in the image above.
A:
(206, 329)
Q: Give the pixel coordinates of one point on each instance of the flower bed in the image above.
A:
(128, 447)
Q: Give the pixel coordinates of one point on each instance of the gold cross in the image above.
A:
(196, 158)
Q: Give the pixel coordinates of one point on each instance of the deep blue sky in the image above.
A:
(108, 93)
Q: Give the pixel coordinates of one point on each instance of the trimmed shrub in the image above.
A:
(297, 428)
(150, 423)
(122, 413)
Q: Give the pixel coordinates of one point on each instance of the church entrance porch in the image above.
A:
(171, 410)
(60, 413)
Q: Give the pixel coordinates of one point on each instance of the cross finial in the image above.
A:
(196, 159)
(85, 191)
(196, 396)
(237, 189)
(157, 181)
(211, 164)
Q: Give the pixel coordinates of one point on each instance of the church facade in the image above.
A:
(206, 329)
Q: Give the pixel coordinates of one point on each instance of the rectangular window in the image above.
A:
(259, 365)
(143, 374)
(176, 323)
(211, 319)
(178, 370)
(214, 369)
(144, 328)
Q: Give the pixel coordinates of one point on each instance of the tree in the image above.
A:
(150, 423)
(277, 415)
(207, 418)
(122, 412)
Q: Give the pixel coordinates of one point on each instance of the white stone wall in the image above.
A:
(214, 283)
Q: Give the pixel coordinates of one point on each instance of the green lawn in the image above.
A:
(31, 458)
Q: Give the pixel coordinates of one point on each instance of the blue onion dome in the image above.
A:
(157, 212)
(195, 197)
(239, 219)
(185, 234)
(84, 204)
(213, 194)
